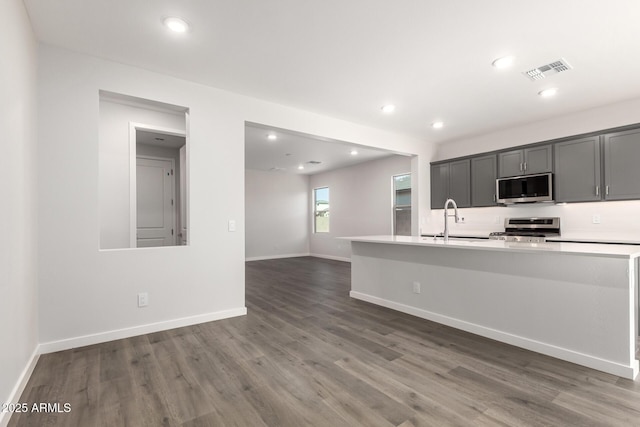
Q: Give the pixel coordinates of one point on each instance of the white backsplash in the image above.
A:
(618, 220)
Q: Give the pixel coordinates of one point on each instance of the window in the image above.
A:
(402, 205)
(321, 210)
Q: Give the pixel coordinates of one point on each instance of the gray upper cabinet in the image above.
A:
(538, 159)
(577, 170)
(439, 185)
(451, 180)
(600, 166)
(459, 183)
(511, 163)
(484, 172)
(526, 161)
(622, 165)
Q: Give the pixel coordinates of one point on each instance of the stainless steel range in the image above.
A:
(529, 230)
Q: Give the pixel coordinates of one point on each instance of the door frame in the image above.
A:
(133, 196)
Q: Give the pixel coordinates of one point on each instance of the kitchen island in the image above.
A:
(573, 301)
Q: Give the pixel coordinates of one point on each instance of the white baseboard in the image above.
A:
(335, 258)
(69, 343)
(14, 397)
(262, 258)
(268, 257)
(611, 367)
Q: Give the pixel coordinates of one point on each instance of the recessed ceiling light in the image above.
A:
(354, 152)
(504, 62)
(389, 108)
(301, 167)
(547, 93)
(272, 137)
(437, 125)
(176, 25)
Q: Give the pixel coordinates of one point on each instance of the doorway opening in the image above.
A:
(143, 173)
(157, 187)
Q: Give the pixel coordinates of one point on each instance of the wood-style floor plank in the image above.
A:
(307, 354)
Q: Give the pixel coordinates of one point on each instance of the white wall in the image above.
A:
(89, 295)
(276, 214)
(114, 162)
(18, 258)
(619, 220)
(360, 201)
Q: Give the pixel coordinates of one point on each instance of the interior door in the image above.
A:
(155, 216)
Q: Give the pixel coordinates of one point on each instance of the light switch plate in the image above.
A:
(596, 219)
(232, 225)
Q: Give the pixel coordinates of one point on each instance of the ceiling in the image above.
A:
(290, 150)
(347, 59)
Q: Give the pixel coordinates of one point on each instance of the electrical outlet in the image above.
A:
(416, 287)
(596, 219)
(496, 220)
(143, 299)
(232, 225)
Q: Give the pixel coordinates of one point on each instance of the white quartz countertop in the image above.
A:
(612, 240)
(623, 239)
(588, 249)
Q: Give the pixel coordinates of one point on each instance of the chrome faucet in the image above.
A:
(446, 216)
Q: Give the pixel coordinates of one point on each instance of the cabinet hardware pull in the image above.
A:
(597, 190)
(494, 197)
(521, 167)
(606, 189)
(525, 165)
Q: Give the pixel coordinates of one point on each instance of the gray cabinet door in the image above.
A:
(577, 170)
(510, 163)
(484, 172)
(528, 161)
(538, 159)
(439, 185)
(622, 165)
(459, 182)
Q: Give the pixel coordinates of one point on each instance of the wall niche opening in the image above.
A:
(143, 173)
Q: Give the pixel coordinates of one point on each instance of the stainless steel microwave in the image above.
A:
(525, 189)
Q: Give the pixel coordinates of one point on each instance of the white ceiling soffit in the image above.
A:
(290, 150)
(346, 59)
(159, 139)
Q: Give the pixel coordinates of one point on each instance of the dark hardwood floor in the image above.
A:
(308, 355)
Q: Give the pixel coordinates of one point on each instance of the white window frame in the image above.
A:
(315, 231)
(393, 200)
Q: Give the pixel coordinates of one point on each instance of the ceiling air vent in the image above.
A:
(548, 70)
(313, 162)
(276, 169)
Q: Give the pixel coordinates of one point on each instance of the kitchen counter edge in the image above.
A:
(586, 249)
